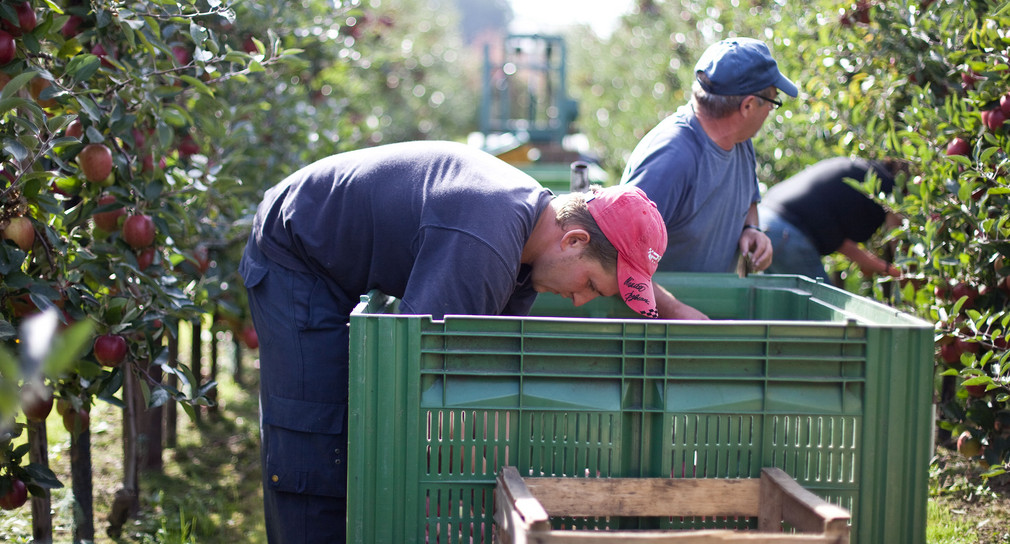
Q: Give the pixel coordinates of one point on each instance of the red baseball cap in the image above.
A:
(636, 229)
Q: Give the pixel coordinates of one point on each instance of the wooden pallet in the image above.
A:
(523, 507)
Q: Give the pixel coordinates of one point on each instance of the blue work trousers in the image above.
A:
(303, 401)
(792, 251)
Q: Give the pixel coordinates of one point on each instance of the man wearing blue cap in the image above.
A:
(698, 165)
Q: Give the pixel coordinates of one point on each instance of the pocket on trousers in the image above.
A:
(251, 271)
(306, 447)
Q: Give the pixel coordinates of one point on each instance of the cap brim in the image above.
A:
(636, 288)
(783, 84)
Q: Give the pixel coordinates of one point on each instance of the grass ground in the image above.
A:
(209, 491)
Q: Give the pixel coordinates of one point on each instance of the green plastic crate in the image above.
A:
(833, 388)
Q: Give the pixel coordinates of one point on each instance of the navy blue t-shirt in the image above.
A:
(828, 210)
(440, 225)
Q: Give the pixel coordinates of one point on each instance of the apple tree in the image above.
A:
(137, 138)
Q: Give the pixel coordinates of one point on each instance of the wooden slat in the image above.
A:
(522, 506)
(590, 497)
(671, 537)
(801, 508)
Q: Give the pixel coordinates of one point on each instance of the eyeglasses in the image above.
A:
(776, 104)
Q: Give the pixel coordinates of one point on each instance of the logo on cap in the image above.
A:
(631, 222)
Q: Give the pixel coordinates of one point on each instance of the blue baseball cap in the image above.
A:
(741, 66)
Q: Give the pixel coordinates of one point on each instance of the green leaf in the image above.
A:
(82, 67)
(8, 104)
(15, 149)
(42, 476)
(15, 84)
(159, 397)
(199, 85)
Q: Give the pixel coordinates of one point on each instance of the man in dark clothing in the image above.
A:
(447, 229)
(816, 213)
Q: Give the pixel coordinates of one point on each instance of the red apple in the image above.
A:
(76, 422)
(63, 406)
(250, 337)
(26, 16)
(968, 445)
(108, 221)
(95, 161)
(958, 146)
(145, 258)
(976, 391)
(75, 129)
(138, 138)
(182, 56)
(36, 403)
(21, 231)
(72, 27)
(1004, 104)
(16, 497)
(8, 49)
(110, 349)
(249, 45)
(36, 87)
(963, 289)
(188, 146)
(968, 79)
(99, 51)
(950, 353)
(994, 118)
(138, 231)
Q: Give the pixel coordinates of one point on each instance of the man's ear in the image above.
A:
(748, 105)
(575, 239)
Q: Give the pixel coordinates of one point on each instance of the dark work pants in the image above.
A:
(303, 401)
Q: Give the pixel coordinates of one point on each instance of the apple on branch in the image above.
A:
(76, 421)
(8, 49)
(958, 146)
(36, 402)
(95, 161)
(21, 231)
(138, 231)
(108, 221)
(110, 350)
(968, 445)
(16, 496)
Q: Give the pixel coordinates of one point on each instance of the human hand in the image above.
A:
(757, 247)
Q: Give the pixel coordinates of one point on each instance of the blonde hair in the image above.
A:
(573, 211)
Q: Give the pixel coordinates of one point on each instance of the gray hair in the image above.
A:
(718, 106)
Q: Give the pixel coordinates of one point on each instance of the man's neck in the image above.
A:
(724, 131)
(544, 233)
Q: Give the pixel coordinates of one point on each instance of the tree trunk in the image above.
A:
(195, 363)
(171, 408)
(151, 444)
(127, 502)
(38, 453)
(212, 394)
(237, 373)
(80, 476)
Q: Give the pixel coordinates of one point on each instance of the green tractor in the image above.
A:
(527, 118)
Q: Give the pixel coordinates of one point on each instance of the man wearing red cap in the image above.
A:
(447, 229)
(698, 165)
